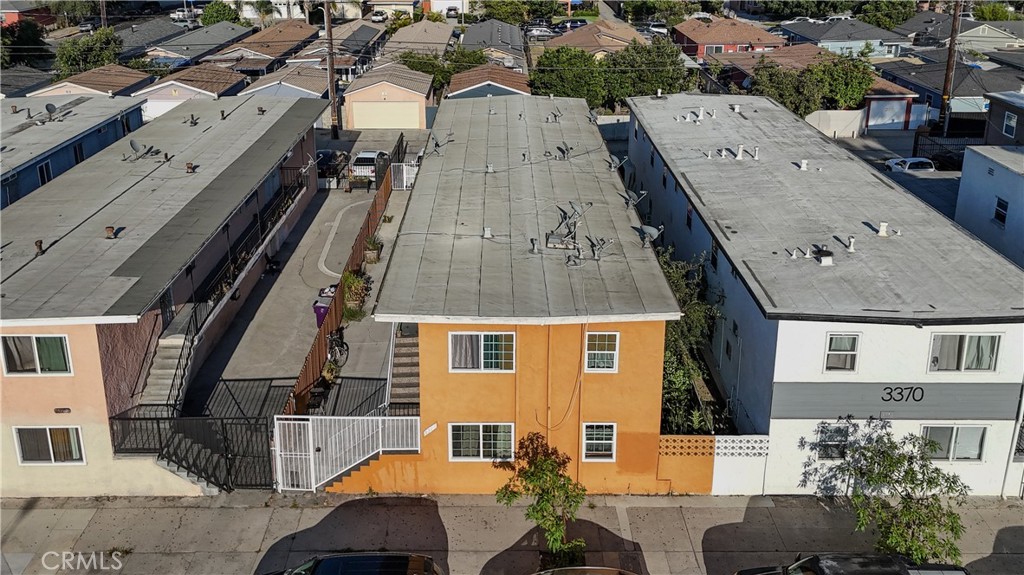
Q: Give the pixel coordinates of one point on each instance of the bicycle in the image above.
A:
(337, 348)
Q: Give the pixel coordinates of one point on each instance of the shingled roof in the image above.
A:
(111, 78)
(599, 36)
(489, 73)
(277, 41)
(726, 32)
(393, 73)
(303, 76)
(209, 78)
(841, 31)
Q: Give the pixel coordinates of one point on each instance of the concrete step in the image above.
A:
(405, 380)
(405, 369)
(403, 395)
(162, 373)
(407, 341)
(204, 487)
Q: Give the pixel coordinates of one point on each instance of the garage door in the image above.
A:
(403, 115)
(887, 114)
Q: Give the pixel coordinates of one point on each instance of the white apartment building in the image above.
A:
(840, 292)
(990, 203)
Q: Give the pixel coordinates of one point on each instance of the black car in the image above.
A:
(367, 564)
(851, 564)
(948, 161)
(537, 23)
(572, 24)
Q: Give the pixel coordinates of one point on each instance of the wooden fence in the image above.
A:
(317, 356)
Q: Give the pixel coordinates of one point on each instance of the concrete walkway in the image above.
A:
(255, 532)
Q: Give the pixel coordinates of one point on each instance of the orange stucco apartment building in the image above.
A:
(524, 300)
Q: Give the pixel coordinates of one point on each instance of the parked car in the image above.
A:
(541, 34)
(658, 28)
(909, 165)
(832, 19)
(365, 164)
(89, 25)
(571, 24)
(850, 564)
(451, 12)
(183, 14)
(801, 19)
(366, 564)
(537, 23)
(190, 24)
(585, 571)
(328, 163)
(947, 160)
(379, 16)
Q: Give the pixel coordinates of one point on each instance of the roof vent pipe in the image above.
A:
(700, 113)
(739, 152)
(713, 112)
(490, 168)
(807, 253)
(39, 248)
(14, 108)
(824, 257)
(723, 152)
(755, 152)
(110, 93)
(110, 231)
(223, 115)
(883, 229)
(849, 244)
(803, 165)
(190, 168)
(487, 233)
(551, 96)
(659, 92)
(533, 245)
(736, 108)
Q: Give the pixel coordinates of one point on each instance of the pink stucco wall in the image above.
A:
(126, 354)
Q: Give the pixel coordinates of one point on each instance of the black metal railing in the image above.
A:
(231, 453)
(197, 317)
(1018, 451)
(374, 405)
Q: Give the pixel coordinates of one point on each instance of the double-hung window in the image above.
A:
(832, 440)
(960, 352)
(598, 442)
(602, 351)
(44, 172)
(1002, 206)
(480, 441)
(842, 352)
(487, 351)
(49, 445)
(956, 443)
(1009, 125)
(36, 354)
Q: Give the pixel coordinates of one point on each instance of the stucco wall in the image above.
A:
(976, 201)
(30, 400)
(126, 353)
(548, 392)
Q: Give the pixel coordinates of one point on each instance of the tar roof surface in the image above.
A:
(931, 273)
(1011, 97)
(165, 214)
(24, 140)
(442, 268)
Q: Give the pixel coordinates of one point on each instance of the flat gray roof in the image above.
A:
(1010, 157)
(444, 270)
(166, 215)
(24, 139)
(759, 211)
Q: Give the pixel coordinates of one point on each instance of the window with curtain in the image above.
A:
(964, 352)
(482, 351)
(842, 352)
(602, 351)
(957, 443)
(49, 445)
(36, 354)
(599, 442)
(481, 441)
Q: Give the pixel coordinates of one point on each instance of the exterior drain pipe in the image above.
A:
(1013, 444)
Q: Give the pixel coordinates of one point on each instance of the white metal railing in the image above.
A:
(312, 450)
(403, 176)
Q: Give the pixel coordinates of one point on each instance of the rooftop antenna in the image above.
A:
(615, 163)
(438, 144)
(650, 233)
(556, 114)
(634, 198)
(599, 246)
(565, 150)
(593, 116)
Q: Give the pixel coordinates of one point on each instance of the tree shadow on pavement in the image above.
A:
(1007, 556)
(399, 524)
(604, 549)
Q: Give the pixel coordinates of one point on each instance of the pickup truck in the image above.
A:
(365, 164)
(186, 14)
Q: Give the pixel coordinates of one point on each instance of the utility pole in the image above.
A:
(947, 85)
(332, 93)
(103, 13)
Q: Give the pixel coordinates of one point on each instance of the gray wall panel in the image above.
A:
(992, 401)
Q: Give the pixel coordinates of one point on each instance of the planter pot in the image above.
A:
(353, 304)
(371, 256)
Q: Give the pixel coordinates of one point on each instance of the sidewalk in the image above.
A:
(257, 532)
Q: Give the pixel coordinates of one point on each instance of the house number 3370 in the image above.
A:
(902, 393)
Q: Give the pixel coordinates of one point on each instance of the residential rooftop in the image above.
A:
(271, 43)
(350, 39)
(19, 80)
(112, 78)
(443, 269)
(208, 77)
(165, 215)
(1011, 58)
(727, 32)
(489, 74)
(761, 211)
(852, 30)
(204, 41)
(599, 36)
(306, 77)
(1009, 157)
(967, 81)
(29, 133)
(138, 37)
(1014, 97)
(423, 37)
(396, 74)
(497, 35)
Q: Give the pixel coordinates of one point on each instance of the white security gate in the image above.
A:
(312, 450)
(403, 176)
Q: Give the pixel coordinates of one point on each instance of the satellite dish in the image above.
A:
(650, 233)
(51, 109)
(136, 147)
(634, 198)
(593, 116)
(615, 163)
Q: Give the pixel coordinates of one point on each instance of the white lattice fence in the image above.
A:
(739, 464)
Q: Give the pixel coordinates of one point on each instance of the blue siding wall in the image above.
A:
(482, 91)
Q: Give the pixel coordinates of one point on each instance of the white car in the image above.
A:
(802, 19)
(379, 16)
(909, 165)
(832, 19)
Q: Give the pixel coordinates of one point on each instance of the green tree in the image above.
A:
(643, 69)
(540, 472)
(149, 67)
(845, 80)
(22, 43)
(442, 68)
(786, 87)
(886, 13)
(399, 19)
(544, 8)
(265, 10)
(992, 12)
(511, 11)
(792, 8)
(569, 72)
(894, 488)
(219, 12)
(671, 11)
(77, 55)
(76, 10)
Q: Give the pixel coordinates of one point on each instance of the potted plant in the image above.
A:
(330, 371)
(373, 248)
(355, 289)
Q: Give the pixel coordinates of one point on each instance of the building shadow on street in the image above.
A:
(1007, 556)
(604, 549)
(396, 524)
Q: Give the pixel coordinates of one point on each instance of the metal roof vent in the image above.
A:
(739, 152)
(39, 248)
(111, 232)
(490, 168)
(849, 244)
(755, 152)
(824, 256)
(487, 233)
(883, 229)
(803, 165)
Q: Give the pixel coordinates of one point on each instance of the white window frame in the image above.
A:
(452, 369)
(842, 445)
(995, 362)
(708, 49)
(48, 169)
(583, 442)
(17, 445)
(1013, 128)
(35, 352)
(952, 442)
(855, 353)
(1000, 211)
(451, 444)
(615, 354)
